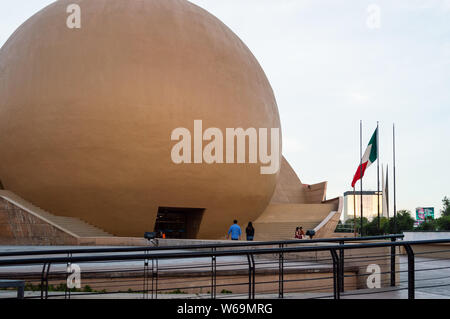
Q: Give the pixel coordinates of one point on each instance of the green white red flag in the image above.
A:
(370, 156)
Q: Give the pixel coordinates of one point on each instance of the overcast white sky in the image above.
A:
(329, 70)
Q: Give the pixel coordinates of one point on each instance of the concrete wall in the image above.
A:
(359, 259)
(316, 193)
(440, 251)
(426, 235)
(235, 282)
(327, 226)
(356, 260)
(290, 189)
(22, 223)
(19, 227)
(113, 241)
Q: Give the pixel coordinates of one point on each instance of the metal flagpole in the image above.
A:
(378, 176)
(387, 191)
(395, 195)
(354, 211)
(383, 193)
(361, 174)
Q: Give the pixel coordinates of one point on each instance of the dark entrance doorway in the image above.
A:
(176, 222)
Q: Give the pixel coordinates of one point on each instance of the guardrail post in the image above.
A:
(411, 272)
(145, 288)
(44, 280)
(251, 276)
(67, 291)
(213, 274)
(281, 273)
(254, 276)
(336, 275)
(21, 291)
(393, 253)
(154, 279)
(341, 267)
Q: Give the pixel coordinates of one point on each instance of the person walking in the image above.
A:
(235, 231)
(250, 231)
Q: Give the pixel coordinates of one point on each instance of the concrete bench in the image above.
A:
(19, 284)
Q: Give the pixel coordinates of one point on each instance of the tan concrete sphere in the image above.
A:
(86, 114)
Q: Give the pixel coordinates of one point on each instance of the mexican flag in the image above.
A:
(370, 156)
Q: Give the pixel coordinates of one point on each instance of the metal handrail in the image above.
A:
(204, 246)
(338, 261)
(223, 253)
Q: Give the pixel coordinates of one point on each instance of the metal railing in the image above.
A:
(193, 271)
(213, 247)
(194, 247)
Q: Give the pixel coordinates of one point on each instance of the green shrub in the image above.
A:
(443, 223)
(177, 291)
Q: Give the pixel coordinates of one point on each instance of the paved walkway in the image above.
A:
(432, 276)
(359, 294)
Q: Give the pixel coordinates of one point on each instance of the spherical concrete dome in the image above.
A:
(86, 115)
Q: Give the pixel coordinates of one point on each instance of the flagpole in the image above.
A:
(378, 176)
(387, 191)
(361, 174)
(354, 211)
(395, 195)
(383, 192)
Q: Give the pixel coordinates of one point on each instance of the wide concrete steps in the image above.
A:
(280, 231)
(73, 225)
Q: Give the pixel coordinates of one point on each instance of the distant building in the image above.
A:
(370, 207)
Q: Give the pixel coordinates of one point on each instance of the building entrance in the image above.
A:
(180, 223)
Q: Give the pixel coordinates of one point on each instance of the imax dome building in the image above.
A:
(144, 115)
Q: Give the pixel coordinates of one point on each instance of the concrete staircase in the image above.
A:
(279, 220)
(71, 225)
(280, 231)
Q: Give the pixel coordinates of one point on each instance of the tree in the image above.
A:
(443, 223)
(384, 225)
(427, 225)
(350, 222)
(446, 204)
(404, 222)
(372, 227)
